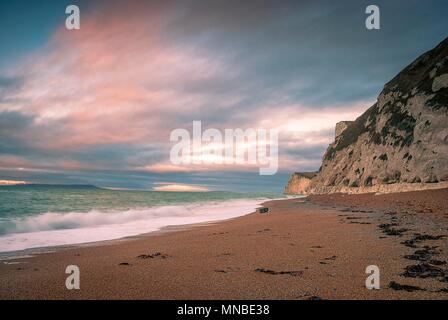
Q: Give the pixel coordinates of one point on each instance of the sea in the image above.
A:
(40, 216)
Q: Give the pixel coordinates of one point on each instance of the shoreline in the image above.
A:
(306, 248)
(32, 252)
(243, 211)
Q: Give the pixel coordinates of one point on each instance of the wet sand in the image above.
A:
(313, 248)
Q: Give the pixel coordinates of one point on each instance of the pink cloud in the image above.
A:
(113, 81)
(12, 182)
(176, 187)
(166, 168)
(121, 81)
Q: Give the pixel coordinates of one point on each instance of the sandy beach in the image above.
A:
(309, 248)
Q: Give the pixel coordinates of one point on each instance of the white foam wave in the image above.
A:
(53, 229)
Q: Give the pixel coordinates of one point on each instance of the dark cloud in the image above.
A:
(16, 128)
(315, 52)
(306, 152)
(12, 123)
(9, 85)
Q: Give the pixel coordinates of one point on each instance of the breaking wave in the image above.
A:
(53, 228)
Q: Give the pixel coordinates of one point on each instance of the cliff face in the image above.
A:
(299, 182)
(401, 142)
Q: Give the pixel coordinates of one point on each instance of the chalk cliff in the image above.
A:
(399, 144)
(299, 182)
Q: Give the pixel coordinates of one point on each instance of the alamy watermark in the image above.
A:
(73, 21)
(373, 20)
(73, 280)
(373, 280)
(254, 147)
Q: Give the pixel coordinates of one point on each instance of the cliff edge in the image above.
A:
(299, 182)
(399, 144)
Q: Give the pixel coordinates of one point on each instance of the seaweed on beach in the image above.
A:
(220, 271)
(331, 258)
(409, 243)
(437, 262)
(423, 270)
(272, 272)
(423, 237)
(388, 229)
(315, 298)
(359, 222)
(425, 254)
(396, 286)
(417, 238)
(153, 255)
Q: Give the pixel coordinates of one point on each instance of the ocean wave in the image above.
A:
(53, 228)
(73, 220)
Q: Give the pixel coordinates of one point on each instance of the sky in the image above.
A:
(97, 105)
